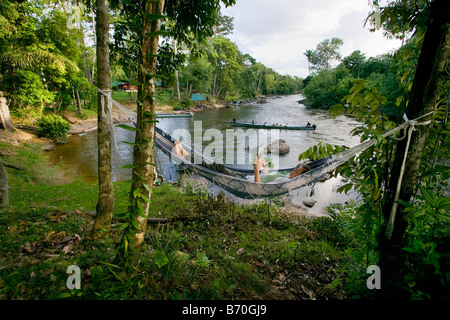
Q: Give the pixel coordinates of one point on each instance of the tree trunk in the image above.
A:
(5, 117)
(176, 72)
(78, 102)
(4, 200)
(144, 142)
(95, 40)
(423, 99)
(105, 204)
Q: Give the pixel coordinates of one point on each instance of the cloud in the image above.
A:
(277, 33)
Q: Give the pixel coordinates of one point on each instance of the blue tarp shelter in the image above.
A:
(197, 97)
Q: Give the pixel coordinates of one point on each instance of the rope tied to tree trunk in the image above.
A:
(106, 113)
(411, 128)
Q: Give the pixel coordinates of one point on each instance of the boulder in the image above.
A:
(309, 203)
(279, 147)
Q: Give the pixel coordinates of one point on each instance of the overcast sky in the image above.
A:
(278, 32)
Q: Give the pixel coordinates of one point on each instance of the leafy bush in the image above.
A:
(54, 127)
(27, 94)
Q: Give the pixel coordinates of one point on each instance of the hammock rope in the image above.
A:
(411, 128)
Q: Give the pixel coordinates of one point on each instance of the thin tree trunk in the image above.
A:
(78, 102)
(4, 114)
(424, 97)
(87, 73)
(144, 142)
(176, 72)
(95, 40)
(73, 97)
(4, 199)
(105, 204)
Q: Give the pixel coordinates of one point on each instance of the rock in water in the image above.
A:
(309, 203)
(278, 147)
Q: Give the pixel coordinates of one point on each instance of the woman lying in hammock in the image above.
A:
(183, 154)
(277, 177)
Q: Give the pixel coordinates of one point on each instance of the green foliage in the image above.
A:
(327, 88)
(42, 58)
(54, 127)
(27, 94)
(326, 51)
(425, 264)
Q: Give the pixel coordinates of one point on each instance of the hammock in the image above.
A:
(247, 189)
(233, 180)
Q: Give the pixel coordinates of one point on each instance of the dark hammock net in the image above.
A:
(233, 181)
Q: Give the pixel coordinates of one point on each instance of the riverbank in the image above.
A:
(80, 125)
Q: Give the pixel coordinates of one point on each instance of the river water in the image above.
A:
(80, 154)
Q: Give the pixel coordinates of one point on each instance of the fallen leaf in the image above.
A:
(47, 237)
(45, 273)
(68, 248)
(28, 247)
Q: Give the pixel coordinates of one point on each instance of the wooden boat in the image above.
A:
(174, 115)
(262, 126)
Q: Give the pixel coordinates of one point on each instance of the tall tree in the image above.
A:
(310, 56)
(196, 18)
(424, 97)
(354, 61)
(105, 204)
(326, 51)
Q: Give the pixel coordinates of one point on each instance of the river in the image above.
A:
(80, 154)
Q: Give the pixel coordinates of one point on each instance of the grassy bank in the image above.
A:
(210, 249)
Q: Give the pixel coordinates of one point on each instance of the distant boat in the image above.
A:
(174, 115)
(280, 127)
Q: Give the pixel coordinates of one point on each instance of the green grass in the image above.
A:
(123, 95)
(211, 249)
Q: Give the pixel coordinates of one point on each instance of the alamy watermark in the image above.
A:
(74, 279)
(74, 19)
(374, 281)
(234, 146)
(376, 18)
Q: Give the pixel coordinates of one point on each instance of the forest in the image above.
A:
(67, 239)
(49, 60)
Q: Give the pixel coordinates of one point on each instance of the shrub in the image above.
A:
(27, 94)
(54, 127)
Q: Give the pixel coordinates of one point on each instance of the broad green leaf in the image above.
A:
(129, 143)
(202, 260)
(145, 198)
(141, 209)
(126, 127)
(156, 16)
(443, 203)
(128, 166)
(429, 196)
(135, 224)
(121, 226)
(161, 259)
(149, 114)
(147, 187)
(404, 203)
